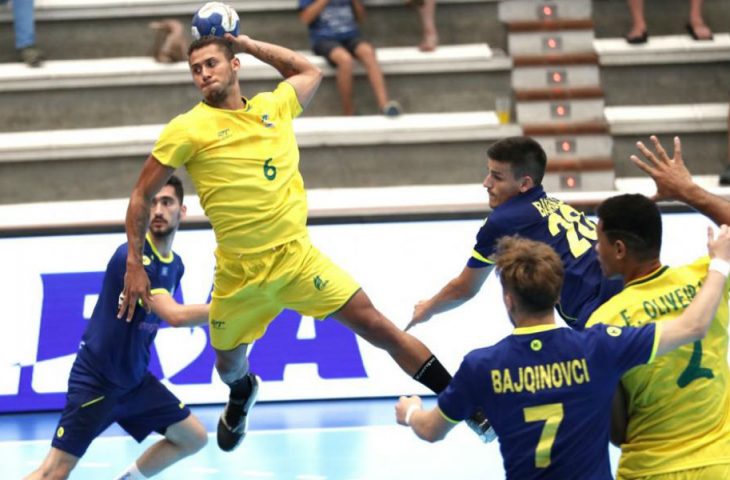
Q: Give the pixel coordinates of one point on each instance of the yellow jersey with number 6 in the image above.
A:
(245, 167)
(678, 406)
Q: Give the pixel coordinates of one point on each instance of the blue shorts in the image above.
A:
(324, 47)
(149, 407)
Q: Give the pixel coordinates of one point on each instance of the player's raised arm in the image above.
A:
(456, 292)
(304, 76)
(674, 181)
(136, 283)
(695, 321)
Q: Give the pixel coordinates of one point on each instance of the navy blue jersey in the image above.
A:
(547, 392)
(536, 216)
(115, 354)
(335, 22)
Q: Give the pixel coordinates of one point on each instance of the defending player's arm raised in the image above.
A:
(674, 181)
(294, 67)
(153, 177)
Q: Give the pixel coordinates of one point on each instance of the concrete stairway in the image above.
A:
(557, 87)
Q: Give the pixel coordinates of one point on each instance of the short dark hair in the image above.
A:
(225, 46)
(524, 154)
(531, 271)
(175, 182)
(635, 220)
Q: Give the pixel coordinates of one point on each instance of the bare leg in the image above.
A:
(696, 21)
(181, 439)
(366, 54)
(56, 466)
(232, 365)
(638, 22)
(430, 39)
(360, 316)
(344, 64)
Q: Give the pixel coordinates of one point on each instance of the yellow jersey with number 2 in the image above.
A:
(679, 405)
(245, 167)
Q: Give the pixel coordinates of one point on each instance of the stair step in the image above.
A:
(311, 132)
(584, 145)
(579, 164)
(527, 10)
(552, 76)
(573, 110)
(542, 43)
(588, 58)
(550, 26)
(575, 128)
(663, 50)
(558, 93)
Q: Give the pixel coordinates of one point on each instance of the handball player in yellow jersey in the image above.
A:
(677, 410)
(244, 161)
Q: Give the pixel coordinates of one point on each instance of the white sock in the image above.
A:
(131, 473)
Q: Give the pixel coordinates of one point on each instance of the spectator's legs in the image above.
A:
(638, 22)
(696, 23)
(24, 24)
(366, 54)
(430, 39)
(344, 64)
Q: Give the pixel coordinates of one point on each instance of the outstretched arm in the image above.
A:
(136, 283)
(456, 292)
(177, 315)
(428, 425)
(294, 67)
(673, 181)
(695, 321)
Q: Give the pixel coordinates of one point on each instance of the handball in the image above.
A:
(215, 18)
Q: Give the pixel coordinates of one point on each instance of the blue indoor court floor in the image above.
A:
(325, 440)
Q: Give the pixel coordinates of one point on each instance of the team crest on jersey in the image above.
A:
(60, 432)
(319, 284)
(613, 331)
(266, 122)
(146, 260)
(536, 345)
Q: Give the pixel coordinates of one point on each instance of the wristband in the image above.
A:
(410, 411)
(719, 265)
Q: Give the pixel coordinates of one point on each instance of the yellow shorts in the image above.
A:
(710, 472)
(249, 291)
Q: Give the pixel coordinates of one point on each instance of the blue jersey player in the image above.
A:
(520, 206)
(110, 381)
(547, 389)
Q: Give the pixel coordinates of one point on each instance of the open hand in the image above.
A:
(671, 176)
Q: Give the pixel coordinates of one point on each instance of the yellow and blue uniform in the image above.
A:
(245, 167)
(536, 216)
(109, 380)
(546, 391)
(678, 407)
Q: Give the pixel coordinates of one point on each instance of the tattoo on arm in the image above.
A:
(286, 66)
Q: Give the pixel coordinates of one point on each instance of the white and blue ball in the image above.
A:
(215, 18)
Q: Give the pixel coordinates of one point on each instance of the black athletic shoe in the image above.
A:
(481, 426)
(234, 420)
(725, 177)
